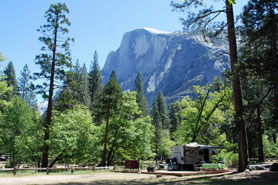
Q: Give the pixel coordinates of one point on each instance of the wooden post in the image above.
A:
(94, 168)
(47, 171)
(72, 170)
(14, 171)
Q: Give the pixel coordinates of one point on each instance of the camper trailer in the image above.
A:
(185, 157)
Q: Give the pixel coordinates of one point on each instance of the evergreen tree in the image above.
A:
(9, 72)
(54, 59)
(26, 87)
(82, 78)
(175, 116)
(259, 53)
(4, 89)
(157, 123)
(67, 97)
(114, 76)
(95, 83)
(110, 102)
(140, 97)
(163, 110)
(2, 58)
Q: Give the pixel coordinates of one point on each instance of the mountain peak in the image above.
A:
(155, 31)
(170, 62)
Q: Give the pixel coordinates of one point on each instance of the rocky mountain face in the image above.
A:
(170, 62)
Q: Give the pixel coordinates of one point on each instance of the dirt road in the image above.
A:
(252, 178)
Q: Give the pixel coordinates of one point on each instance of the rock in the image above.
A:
(274, 167)
(170, 62)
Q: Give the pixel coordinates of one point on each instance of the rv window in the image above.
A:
(201, 152)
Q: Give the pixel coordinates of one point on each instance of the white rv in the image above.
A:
(185, 157)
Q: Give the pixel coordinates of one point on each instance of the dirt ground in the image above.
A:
(252, 178)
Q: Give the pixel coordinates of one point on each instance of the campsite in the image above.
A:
(139, 92)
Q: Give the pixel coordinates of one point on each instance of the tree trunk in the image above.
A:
(242, 136)
(50, 103)
(260, 135)
(58, 158)
(106, 138)
(274, 138)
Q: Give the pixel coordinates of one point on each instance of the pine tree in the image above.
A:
(95, 83)
(163, 110)
(82, 78)
(26, 87)
(54, 59)
(140, 97)
(157, 123)
(66, 99)
(175, 116)
(114, 76)
(110, 102)
(259, 53)
(9, 72)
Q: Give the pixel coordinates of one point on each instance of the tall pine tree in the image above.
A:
(82, 78)
(157, 123)
(140, 97)
(163, 110)
(54, 59)
(175, 116)
(95, 83)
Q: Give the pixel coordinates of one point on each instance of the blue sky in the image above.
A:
(96, 25)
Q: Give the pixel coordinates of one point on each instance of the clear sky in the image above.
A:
(96, 25)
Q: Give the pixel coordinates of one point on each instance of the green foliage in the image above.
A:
(9, 73)
(71, 136)
(82, 90)
(160, 120)
(270, 148)
(163, 110)
(95, 85)
(140, 97)
(4, 89)
(205, 20)
(114, 76)
(26, 87)
(54, 57)
(175, 116)
(4, 92)
(2, 58)
(259, 57)
(20, 132)
(203, 118)
(129, 137)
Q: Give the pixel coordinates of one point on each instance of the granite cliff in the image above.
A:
(170, 62)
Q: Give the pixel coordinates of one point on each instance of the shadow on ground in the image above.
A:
(265, 178)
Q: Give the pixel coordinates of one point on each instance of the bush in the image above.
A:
(229, 158)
